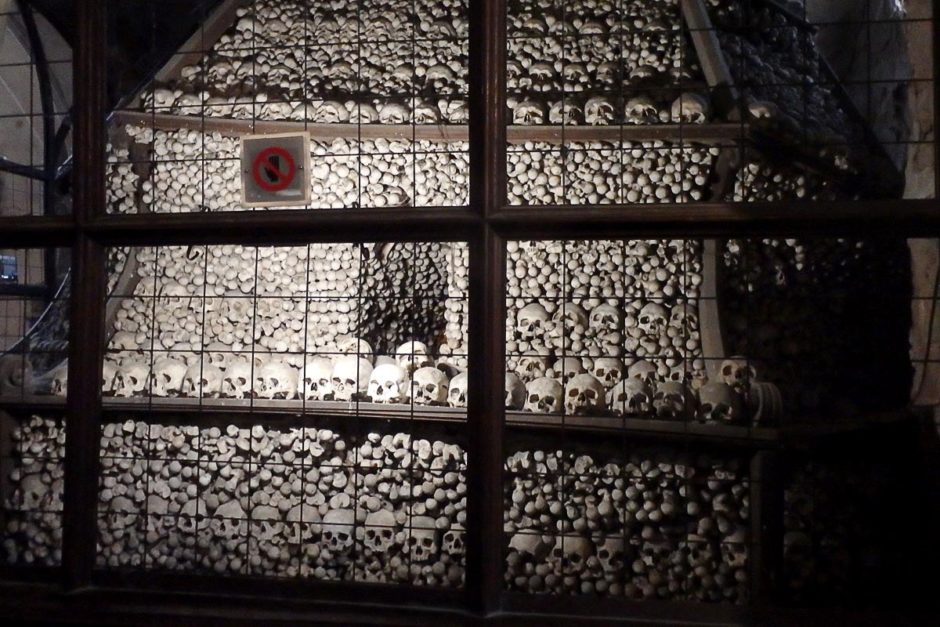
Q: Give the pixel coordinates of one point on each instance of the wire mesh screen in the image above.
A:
(317, 374)
(673, 101)
(380, 88)
(36, 89)
(613, 343)
(626, 521)
(34, 307)
(746, 333)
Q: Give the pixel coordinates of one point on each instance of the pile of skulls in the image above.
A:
(193, 171)
(820, 316)
(123, 181)
(609, 172)
(393, 63)
(592, 47)
(602, 318)
(836, 538)
(761, 181)
(655, 525)
(32, 530)
(786, 85)
(290, 503)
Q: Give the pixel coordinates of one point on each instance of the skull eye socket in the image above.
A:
(350, 382)
(430, 387)
(727, 370)
(572, 393)
(533, 398)
(590, 394)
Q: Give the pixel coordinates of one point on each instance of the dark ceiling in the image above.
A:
(143, 34)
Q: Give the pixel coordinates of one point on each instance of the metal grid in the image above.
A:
(286, 329)
(380, 88)
(484, 434)
(34, 114)
(634, 523)
(690, 101)
(32, 445)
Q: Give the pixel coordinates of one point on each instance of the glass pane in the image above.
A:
(325, 390)
(630, 103)
(34, 161)
(34, 328)
(380, 89)
(614, 344)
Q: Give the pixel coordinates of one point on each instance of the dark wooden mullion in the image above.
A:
(487, 131)
(86, 331)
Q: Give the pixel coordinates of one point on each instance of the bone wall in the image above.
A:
(649, 524)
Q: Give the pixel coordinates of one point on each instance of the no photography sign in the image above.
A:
(275, 170)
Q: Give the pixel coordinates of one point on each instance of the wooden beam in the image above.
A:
(711, 58)
(554, 134)
(709, 311)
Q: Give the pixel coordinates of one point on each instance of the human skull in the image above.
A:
(202, 381)
(423, 539)
(644, 371)
(673, 400)
(316, 384)
(533, 544)
(531, 367)
(598, 110)
(641, 110)
(394, 113)
(236, 381)
(607, 370)
(388, 384)
(653, 319)
(630, 397)
(570, 316)
(718, 402)
(684, 317)
(544, 396)
(564, 112)
(691, 108)
(350, 377)
(530, 322)
(738, 372)
(528, 112)
(131, 379)
(337, 531)
(413, 355)
(276, 380)
(571, 553)
(606, 318)
(610, 554)
(380, 529)
(515, 391)
(457, 395)
(584, 395)
(567, 367)
(429, 386)
(453, 541)
(166, 378)
(228, 521)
